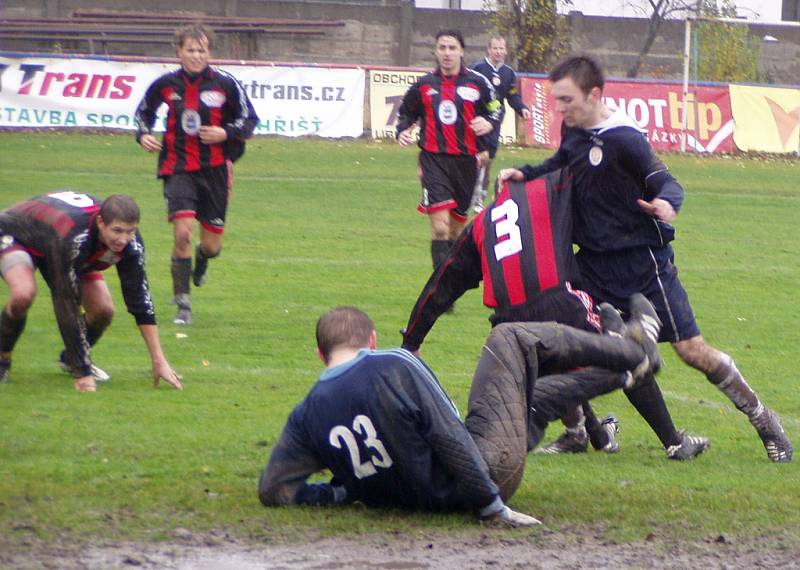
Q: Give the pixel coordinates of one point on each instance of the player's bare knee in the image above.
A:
(100, 316)
(20, 300)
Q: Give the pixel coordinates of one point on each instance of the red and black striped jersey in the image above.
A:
(444, 107)
(520, 247)
(210, 98)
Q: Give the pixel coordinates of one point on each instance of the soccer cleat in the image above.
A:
(512, 519)
(200, 271)
(690, 447)
(769, 428)
(611, 320)
(604, 439)
(98, 373)
(5, 371)
(184, 314)
(566, 443)
(643, 328)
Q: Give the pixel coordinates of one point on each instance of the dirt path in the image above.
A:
(487, 549)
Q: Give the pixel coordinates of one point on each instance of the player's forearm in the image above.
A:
(150, 336)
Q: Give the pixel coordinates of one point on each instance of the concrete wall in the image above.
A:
(395, 33)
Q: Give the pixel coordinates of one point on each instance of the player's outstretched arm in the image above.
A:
(161, 368)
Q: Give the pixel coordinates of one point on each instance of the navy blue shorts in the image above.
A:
(613, 276)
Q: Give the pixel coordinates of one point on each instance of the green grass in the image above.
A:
(314, 224)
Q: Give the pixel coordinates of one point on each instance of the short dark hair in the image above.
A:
(195, 32)
(453, 34)
(343, 327)
(583, 70)
(119, 208)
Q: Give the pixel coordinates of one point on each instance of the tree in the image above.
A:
(533, 28)
(727, 52)
(658, 11)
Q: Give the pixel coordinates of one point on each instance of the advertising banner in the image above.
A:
(290, 101)
(767, 118)
(656, 107)
(386, 90)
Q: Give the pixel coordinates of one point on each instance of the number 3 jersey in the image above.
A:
(390, 435)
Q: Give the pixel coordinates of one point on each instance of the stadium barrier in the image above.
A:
(347, 101)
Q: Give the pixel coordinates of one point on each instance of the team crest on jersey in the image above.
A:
(174, 96)
(496, 80)
(448, 114)
(595, 155)
(214, 99)
(190, 122)
(468, 93)
(6, 241)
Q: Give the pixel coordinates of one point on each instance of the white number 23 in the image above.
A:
(363, 426)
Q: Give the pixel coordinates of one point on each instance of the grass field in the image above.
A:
(314, 224)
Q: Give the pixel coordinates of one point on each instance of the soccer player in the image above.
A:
(71, 237)
(455, 107)
(209, 116)
(521, 248)
(625, 199)
(382, 424)
(504, 80)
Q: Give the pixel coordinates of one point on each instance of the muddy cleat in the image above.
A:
(200, 271)
(605, 438)
(5, 371)
(643, 328)
(566, 443)
(184, 314)
(98, 373)
(611, 320)
(769, 428)
(690, 447)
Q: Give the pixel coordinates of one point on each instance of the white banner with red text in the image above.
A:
(74, 92)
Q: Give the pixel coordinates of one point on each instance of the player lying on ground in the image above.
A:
(71, 237)
(384, 426)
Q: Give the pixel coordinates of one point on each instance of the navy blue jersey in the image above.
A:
(613, 166)
(504, 81)
(210, 98)
(444, 106)
(390, 435)
(59, 231)
(521, 248)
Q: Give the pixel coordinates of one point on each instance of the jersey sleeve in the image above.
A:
(460, 272)
(243, 119)
(639, 159)
(491, 107)
(283, 481)
(513, 95)
(145, 116)
(410, 108)
(133, 280)
(440, 425)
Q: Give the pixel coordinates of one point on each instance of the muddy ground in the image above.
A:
(487, 548)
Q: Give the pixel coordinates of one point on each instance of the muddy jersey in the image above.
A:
(59, 231)
(390, 435)
(210, 98)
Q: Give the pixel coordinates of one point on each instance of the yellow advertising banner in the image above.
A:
(386, 90)
(767, 118)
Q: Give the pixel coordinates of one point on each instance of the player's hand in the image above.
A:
(212, 135)
(150, 143)
(85, 384)
(510, 174)
(163, 371)
(405, 138)
(659, 209)
(512, 519)
(481, 126)
(526, 114)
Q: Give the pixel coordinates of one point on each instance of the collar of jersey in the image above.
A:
(338, 370)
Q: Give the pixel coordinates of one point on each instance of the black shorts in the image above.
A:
(563, 305)
(614, 276)
(448, 182)
(203, 195)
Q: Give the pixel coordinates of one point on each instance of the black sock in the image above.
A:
(649, 402)
(181, 273)
(440, 249)
(10, 331)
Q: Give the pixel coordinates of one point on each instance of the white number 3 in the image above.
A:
(363, 426)
(507, 226)
(73, 199)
